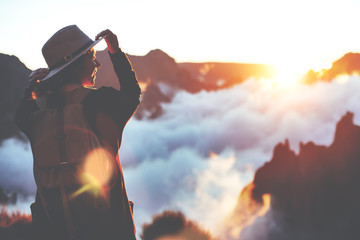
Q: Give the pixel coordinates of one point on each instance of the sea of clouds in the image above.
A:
(199, 155)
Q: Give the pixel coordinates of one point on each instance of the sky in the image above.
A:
(290, 34)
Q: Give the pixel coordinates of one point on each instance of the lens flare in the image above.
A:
(97, 172)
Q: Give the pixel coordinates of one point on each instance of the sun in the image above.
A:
(289, 71)
(287, 75)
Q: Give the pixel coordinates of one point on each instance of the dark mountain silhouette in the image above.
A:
(349, 64)
(157, 69)
(13, 80)
(215, 76)
(315, 194)
(153, 70)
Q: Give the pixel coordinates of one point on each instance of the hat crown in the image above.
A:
(64, 43)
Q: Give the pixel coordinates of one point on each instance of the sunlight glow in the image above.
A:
(246, 211)
(266, 198)
(287, 75)
(290, 73)
(143, 86)
(342, 79)
(254, 211)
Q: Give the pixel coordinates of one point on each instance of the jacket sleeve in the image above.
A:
(22, 116)
(129, 86)
(121, 104)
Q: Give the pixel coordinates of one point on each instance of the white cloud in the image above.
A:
(248, 116)
(203, 188)
(245, 122)
(216, 192)
(16, 173)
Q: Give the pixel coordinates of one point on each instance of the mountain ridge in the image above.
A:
(312, 191)
(156, 71)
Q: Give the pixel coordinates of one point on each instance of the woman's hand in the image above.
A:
(38, 74)
(111, 40)
(32, 91)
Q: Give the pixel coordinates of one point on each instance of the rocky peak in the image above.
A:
(159, 55)
(345, 129)
(161, 61)
(315, 190)
(282, 151)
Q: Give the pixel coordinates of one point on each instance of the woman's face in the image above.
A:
(90, 66)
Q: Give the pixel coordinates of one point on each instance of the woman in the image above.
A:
(75, 134)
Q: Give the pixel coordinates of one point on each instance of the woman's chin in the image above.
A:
(89, 83)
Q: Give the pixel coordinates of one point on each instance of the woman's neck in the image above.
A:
(70, 87)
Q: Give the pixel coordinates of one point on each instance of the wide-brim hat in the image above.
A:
(64, 47)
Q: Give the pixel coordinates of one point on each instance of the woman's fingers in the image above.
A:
(38, 74)
(111, 40)
(102, 34)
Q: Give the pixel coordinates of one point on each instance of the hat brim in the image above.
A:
(57, 70)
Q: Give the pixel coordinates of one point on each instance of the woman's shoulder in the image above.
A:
(102, 94)
(102, 90)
